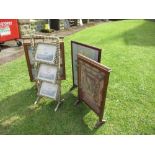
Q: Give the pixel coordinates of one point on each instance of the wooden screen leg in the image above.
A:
(73, 87)
(77, 102)
(99, 123)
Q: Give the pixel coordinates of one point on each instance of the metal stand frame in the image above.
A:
(56, 41)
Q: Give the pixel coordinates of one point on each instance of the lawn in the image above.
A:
(128, 48)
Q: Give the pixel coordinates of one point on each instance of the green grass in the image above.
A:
(128, 48)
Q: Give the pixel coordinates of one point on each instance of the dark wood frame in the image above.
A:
(106, 72)
(85, 45)
(26, 45)
(62, 50)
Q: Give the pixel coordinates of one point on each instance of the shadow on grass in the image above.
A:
(18, 115)
(142, 35)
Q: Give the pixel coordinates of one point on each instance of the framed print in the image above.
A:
(92, 84)
(46, 53)
(30, 54)
(87, 50)
(48, 90)
(47, 73)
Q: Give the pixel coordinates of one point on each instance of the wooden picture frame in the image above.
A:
(62, 61)
(93, 80)
(27, 46)
(87, 50)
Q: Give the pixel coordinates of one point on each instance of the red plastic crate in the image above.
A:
(9, 30)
